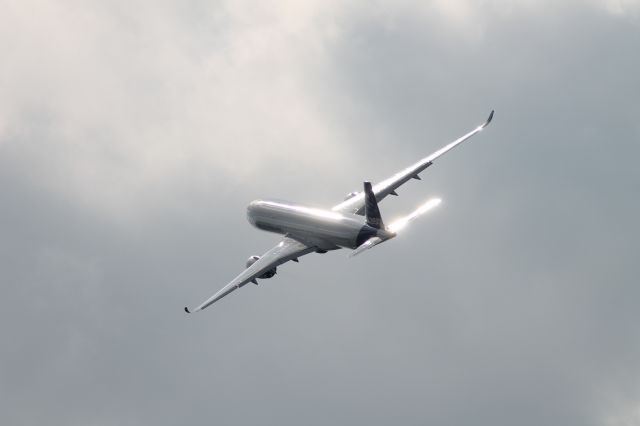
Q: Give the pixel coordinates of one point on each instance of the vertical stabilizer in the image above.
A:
(371, 211)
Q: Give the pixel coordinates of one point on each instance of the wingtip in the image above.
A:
(486, 123)
(187, 310)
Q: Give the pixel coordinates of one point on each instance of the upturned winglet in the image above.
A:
(187, 310)
(486, 123)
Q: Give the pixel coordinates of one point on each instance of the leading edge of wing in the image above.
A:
(389, 185)
(286, 250)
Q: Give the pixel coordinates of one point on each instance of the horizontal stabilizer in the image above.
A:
(371, 242)
(400, 224)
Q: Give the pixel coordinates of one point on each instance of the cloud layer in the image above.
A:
(132, 135)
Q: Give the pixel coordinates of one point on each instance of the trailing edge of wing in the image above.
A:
(388, 186)
(287, 249)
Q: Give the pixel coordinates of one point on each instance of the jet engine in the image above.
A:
(350, 195)
(268, 274)
(252, 260)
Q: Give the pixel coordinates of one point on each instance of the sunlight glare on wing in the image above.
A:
(401, 223)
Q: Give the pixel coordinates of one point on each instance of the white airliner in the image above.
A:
(355, 223)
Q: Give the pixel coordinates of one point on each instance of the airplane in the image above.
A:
(354, 224)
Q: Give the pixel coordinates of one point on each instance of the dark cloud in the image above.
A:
(514, 301)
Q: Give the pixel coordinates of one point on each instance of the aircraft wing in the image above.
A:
(287, 249)
(388, 186)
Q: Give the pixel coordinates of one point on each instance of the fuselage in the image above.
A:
(328, 230)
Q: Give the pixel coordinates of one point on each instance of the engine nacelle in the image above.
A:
(268, 274)
(252, 260)
(351, 195)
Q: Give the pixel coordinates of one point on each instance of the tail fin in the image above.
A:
(371, 211)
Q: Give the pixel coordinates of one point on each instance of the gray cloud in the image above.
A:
(132, 137)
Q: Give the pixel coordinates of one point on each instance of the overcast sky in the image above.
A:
(134, 133)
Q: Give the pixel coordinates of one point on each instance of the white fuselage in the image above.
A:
(328, 230)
